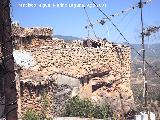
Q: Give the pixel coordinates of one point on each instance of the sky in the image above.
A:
(70, 21)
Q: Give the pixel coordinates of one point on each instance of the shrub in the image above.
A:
(45, 105)
(77, 107)
(31, 115)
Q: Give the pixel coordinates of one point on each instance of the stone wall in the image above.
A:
(24, 37)
(37, 97)
(40, 93)
(78, 62)
(104, 73)
(17, 30)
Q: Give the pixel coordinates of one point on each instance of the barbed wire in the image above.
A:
(89, 23)
(103, 20)
(151, 29)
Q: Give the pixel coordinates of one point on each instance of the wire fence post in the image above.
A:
(143, 57)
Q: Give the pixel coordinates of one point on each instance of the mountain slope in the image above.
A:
(67, 38)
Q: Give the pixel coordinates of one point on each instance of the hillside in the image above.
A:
(152, 57)
(67, 38)
(152, 50)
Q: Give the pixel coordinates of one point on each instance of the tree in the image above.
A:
(7, 61)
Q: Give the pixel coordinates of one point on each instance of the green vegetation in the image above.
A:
(77, 107)
(31, 115)
(45, 104)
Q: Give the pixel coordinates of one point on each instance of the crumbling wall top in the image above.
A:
(19, 31)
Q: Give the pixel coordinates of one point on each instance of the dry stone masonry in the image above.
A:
(19, 31)
(101, 74)
(22, 37)
(37, 97)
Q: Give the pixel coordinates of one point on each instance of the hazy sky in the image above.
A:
(71, 21)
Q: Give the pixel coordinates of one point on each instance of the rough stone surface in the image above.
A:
(104, 73)
(17, 30)
(61, 95)
(107, 69)
(37, 97)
